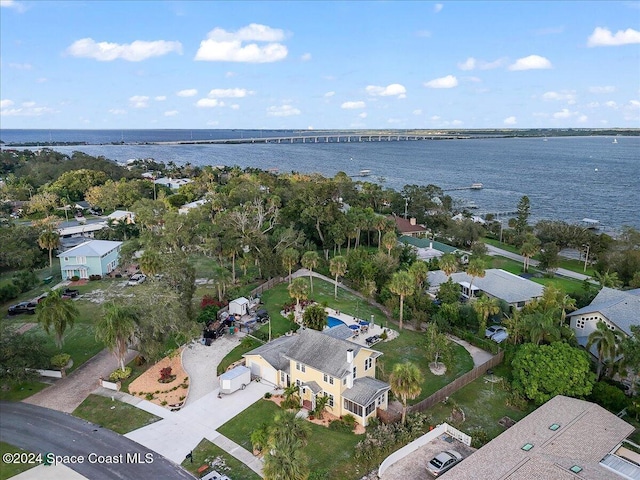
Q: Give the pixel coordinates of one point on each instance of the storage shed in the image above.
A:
(239, 306)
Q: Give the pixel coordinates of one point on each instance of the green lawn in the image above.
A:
(117, 416)
(234, 355)
(409, 347)
(9, 470)
(206, 452)
(20, 391)
(329, 452)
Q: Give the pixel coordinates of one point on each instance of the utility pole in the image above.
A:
(586, 257)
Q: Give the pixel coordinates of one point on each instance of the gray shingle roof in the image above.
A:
(621, 308)
(92, 248)
(341, 332)
(587, 433)
(313, 386)
(365, 390)
(273, 352)
(497, 283)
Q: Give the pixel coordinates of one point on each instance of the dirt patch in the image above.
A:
(437, 369)
(26, 327)
(168, 395)
(77, 283)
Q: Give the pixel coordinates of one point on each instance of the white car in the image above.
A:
(496, 333)
(136, 279)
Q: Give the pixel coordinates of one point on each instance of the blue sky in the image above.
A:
(320, 65)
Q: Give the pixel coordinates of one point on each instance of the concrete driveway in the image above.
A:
(179, 433)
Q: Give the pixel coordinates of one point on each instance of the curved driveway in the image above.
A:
(41, 430)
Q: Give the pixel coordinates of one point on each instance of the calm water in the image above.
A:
(567, 178)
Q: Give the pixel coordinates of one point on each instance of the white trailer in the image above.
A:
(235, 379)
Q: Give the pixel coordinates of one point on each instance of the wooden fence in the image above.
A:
(456, 385)
(266, 286)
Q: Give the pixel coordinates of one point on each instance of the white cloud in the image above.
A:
(21, 66)
(235, 106)
(189, 92)
(282, 111)
(564, 113)
(213, 123)
(602, 37)
(27, 109)
(42, 80)
(6, 103)
(209, 103)
(393, 90)
(230, 74)
(160, 98)
(532, 62)
(170, 113)
(363, 115)
(611, 104)
(473, 63)
(593, 104)
(457, 123)
(583, 119)
(229, 93)
(353, 105)
(17, 6)
(566, 96)
(223, 46)
(29, 104)
(435, 118)
(510, 121)
(117, 111)
(437, 8)
(305, 57)
(329, 94)
(634, 104)
(393, 120)
(468, 64)
(473, 79)
(417, 111)
(132, 52)
(423, 33)
(604, 89)
(444, 82)
(139, 101)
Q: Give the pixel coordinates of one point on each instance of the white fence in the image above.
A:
(420, 442)
(49, 373)
(110, 385)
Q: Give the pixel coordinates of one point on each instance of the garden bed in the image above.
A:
(171, 394)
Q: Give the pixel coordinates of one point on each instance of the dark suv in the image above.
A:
(23, 307)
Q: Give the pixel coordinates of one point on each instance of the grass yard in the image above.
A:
(484, 404)
(234, 355)
(329, 452)
(20, 391)
(117, 416)
(409, 347)
(206, 452)
(9, 470)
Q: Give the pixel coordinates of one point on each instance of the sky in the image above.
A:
(319, 65)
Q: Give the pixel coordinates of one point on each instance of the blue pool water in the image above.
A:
(334, 322)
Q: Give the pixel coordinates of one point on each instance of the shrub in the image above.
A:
(149, 396)
(344, 424)
(479, 437)
(267, 395)
(120, 374)
(9, 292)
(163, 403)
(75, 278)
(60, 360)
(25, 280)
(95, 277)
(165, 375)
(609, 397)
(209, 301)
(384, 335)
(139, 360)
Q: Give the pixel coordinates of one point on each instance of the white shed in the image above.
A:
(239, 306)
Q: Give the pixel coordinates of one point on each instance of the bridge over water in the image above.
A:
(329, 138)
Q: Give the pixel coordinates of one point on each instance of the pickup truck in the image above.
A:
(23, 307)
(70, 293)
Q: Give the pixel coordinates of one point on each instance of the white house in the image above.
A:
(172, 183)
(122, 216)
(184, 209)
(618, 309)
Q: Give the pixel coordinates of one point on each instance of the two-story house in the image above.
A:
(320, 364)
(95, 257)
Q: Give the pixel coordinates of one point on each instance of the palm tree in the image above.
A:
(287, 425)
(57, 313)
(606, 279)
(567, 304)
(150, 262)
(285, 463)
(222, 279)
(420, 271)
(402, 284)
(337, 267)
(389, 241)
(310, 261)
(298, 289)
(530, 247)
(542, 327)
(116, 330)
(485, 307)
(475, 269)
(290, 257)
(448, 264)
(380, 223)
(49, 239)
(606, 342)
(406, 384)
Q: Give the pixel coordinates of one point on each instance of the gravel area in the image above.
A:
(414, 465)
(201, 363)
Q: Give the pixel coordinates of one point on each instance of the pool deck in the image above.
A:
(361, 336)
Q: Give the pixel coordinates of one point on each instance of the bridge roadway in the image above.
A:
(334, 138)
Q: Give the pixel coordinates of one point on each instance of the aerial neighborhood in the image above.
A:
(233, 323)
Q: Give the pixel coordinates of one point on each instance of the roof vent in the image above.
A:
(576, 469)
(527, 446)
(554, 427)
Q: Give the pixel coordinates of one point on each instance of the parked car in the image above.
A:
(70, 293)
(443, 462)
(136, 279)
(497, 333)
(262, 315)
(23, 307)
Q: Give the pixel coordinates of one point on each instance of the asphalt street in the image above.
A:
(105, 454)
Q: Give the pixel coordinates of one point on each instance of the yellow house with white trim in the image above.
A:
(321, 364)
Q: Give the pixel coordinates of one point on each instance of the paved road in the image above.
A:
(41, 430)
(67, 393)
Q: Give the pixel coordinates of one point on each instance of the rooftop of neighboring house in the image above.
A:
(91, 248)
(405, 225)
(619, 307)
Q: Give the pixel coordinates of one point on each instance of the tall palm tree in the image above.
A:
(420, 271)
(606, 342)
(285, 462)
(567, 304)
(222, 279)
(116, 329)
(298, 289)
(49, 239)
(337, 267)
(380, 224)
(448, 264)
(150, 262)
(606, 279)
(403, 285)
(530, 247)
(485, 307)
(290, 257)
(406, 384)
(310, 261)
(389, 241)
(57, 313)
(475, 269)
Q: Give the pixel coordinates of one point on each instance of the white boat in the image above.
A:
(476, 186)
(591, 224)
(365, 173)
(615, 140)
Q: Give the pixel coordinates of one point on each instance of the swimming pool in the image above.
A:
(334, 322)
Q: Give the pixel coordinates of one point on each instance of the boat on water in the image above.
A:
(476, 186)
(615, 140)
(365, 173)
(591, 224)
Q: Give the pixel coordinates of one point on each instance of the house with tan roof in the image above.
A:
(564, 439)
(327, 365)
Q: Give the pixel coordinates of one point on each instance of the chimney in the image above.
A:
(412, 221)
(350, 356)
(430, 245)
